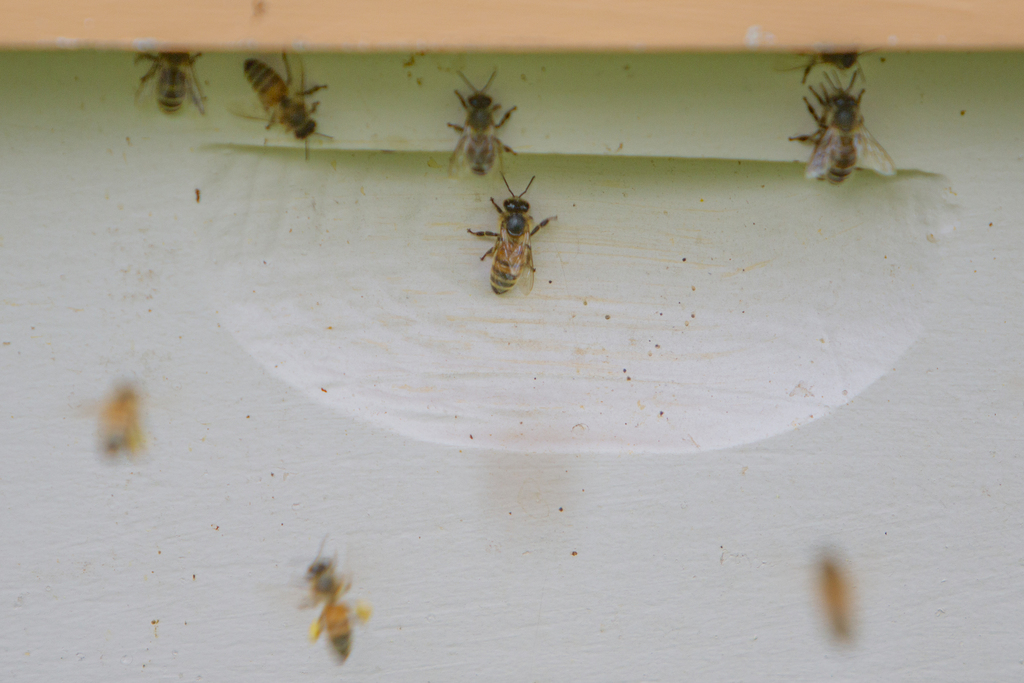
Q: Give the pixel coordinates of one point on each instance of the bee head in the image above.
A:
(847, 59)
(306, 129)
(516, 205)
(319, 567)
(480, 101)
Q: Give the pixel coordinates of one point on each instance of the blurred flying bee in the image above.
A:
(841, 142)
(119, 423)
(175, 79)
(513, 255)
(839, 60)
(836, 599)
(285, 106)
(478, 146)
(336, 616)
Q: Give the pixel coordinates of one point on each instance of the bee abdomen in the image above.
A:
(342, 645)
(263, 79)
(843, 164)
(503, 277)
(169, 105)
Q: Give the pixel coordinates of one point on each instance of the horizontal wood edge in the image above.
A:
(525, 25)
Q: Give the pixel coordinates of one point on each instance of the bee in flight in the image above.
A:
(337, 615)
(513, 255)
(841, 142)
(175, 79)
(478, 146)
(285, 106)
(839, 60)
(834, 587)
(119, 423)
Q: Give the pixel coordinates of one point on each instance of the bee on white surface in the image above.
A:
(841, 142)
(513, 255)
(337, 616)
(285, 106)
(120, 427)
(478, 145)
(836, 595)
(176, 79)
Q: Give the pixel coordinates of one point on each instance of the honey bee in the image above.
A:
(478, 146)
(336, 616)
(842, 142)
(834, 587)
(175, 78)
(284, 106)
(119, 423)
(840, 60)
(513, 255)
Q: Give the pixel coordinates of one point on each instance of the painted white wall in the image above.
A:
(692, 561)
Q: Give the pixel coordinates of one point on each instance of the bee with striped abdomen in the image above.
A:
(175, 76)
(284, 106)
(842, 142)
(513, 255)
(120, 423)
(478, 146)
(337, 615)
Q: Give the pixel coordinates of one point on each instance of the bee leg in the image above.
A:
(822, 98)
(287, 69)
(506, 147)
(807, 71)
(312, 107)
(542, 224)
(459, 95)
(482, 233)
(505, 118)
(458, 128)
(488, 253)
(146, 55)
(312, 90)
(497, 207)
(149, 74)
(813, 113)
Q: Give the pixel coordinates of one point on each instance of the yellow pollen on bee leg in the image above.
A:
(364, 611)
(314, 630)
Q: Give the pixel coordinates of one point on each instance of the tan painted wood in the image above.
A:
(514, 26)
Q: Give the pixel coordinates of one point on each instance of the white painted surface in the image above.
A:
(690, 563)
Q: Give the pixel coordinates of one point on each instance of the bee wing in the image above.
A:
(147, 84)
(526, 277)
(821, 157)
(458, 160)
(194, 90)
(871, 155)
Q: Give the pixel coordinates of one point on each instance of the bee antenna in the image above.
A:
(493, 74)
(470, 84)
(527, 186)
(507, 185)
(320, 550)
